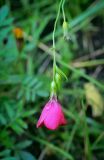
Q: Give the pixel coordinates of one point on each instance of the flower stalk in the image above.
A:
(54, 46)
(52, 115)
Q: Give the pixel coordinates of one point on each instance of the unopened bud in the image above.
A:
(65, 31)
(65, 25)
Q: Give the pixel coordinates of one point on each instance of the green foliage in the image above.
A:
(25, 77)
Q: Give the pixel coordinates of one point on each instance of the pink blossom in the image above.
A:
(52, 115)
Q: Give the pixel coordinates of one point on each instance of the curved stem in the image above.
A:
(54, 52)
(63, 10)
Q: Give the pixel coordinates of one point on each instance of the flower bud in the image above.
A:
(65, 25)
(65, 31)
(52, 115)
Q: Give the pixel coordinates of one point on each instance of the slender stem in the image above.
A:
(87, 147)
(101, 136)
(54, 52)
(88, 63)
(63, 10)
(54, 64)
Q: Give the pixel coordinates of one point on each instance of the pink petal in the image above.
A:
(63, 121)
(43, 114)
(53, 119)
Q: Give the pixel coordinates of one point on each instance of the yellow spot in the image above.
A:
(18, 32)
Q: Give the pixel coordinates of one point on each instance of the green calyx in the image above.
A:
(53, 88)
(56, 83)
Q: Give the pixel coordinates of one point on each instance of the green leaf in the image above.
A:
(33, 96)
(20, 94)
(42, 93)
(28, 94)
(3, 120)
(26, 155)
(88, 13)
(28, 113)
(9, 110)
(23, 144)
(3, 13)
(17, 128)
(5, 152)
(4, 33)
(33, 82)
(6, 139)
(6, 22)
(60, 72)
(21, 123)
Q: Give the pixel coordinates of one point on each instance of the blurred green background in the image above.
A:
(26, 28)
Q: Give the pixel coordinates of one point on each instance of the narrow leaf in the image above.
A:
(59, 71)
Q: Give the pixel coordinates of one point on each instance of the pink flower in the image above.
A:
(52, 115)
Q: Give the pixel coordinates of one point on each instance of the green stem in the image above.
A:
(88, 63)
(101, 136)
(88, 153)
(63, 10)
(54, 52)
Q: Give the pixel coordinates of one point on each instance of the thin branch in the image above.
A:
(92, 55)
